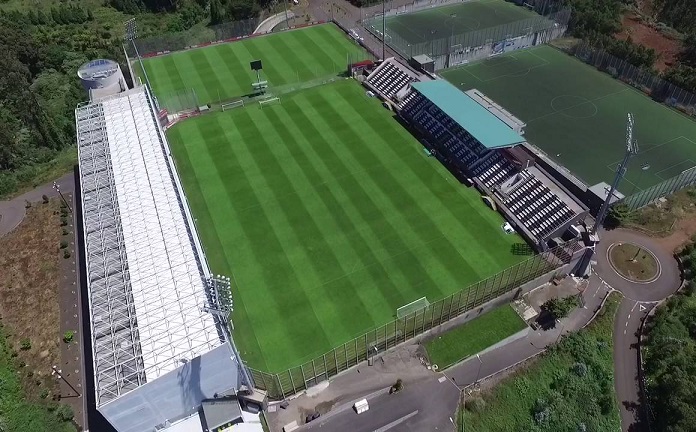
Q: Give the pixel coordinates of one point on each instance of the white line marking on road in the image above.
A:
(626, 323)
(642, 308)
(396, 422)
(624, 330)
(629, 316)
(634, 306)
(442, 379)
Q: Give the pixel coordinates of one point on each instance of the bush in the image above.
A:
(63, 244)
(25, 344)
(44, 198)
(475, 404)
(65, 231)
(63, 221)
(68, 336)
(580, 369)
(560, 308)
(66, 254)
(64, 412)
(44, 394)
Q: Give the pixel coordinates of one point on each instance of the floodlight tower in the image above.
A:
(131, 34)
(220, 305)
(631, 149)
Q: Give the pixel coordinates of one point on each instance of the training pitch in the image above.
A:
(444, 21)
(222, 72)
(577, 115)
(328, 215)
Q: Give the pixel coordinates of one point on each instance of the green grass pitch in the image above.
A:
(474, 336)
(441, 22)
(329, 216)
(221, 72)
(577, 115)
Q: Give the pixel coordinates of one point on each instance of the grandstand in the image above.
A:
(157, 352)
(390, 79)
(477, 140)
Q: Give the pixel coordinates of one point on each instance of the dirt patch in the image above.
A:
(645, 34)
(682, 233)
(633, 262)
(30, 262)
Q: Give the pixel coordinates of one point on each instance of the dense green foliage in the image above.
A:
(16, 414)
(560, 308)
(680, 14)
(474, 336)
(569, 389)
(669, 353)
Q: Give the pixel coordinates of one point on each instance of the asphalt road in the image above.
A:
(422, 406)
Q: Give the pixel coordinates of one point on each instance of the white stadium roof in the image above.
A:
(145, 267)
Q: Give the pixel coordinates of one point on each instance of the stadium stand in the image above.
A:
(476, 138)
(390, 78)
(147, 278)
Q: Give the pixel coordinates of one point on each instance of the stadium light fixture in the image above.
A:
(631, 150)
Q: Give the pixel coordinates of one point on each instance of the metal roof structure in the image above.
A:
(146, 271)
(488, 129)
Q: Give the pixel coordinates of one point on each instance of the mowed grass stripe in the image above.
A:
(449, 264)
(244, 334)
(456, 210)
(222, 71)
(278, 262)
(335, 229)
(314, 255)
(347, 197)
(393, 196)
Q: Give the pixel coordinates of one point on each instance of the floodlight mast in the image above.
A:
(631, 149)
(131, 34)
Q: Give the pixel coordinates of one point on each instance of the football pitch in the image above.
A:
(328, 215)
(577, 115)
(444, 21)
(222, 72)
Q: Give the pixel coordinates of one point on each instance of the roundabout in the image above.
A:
(633, 263)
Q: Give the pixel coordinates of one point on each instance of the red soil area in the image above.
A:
(642, 33)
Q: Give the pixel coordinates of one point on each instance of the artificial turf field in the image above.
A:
(577, 115)
(222, 72)
(443, 21)
(329, 216)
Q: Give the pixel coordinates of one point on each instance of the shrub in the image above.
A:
(66, 254)
(68, 336)
(65, 231)
(44, 198)
(580, 369)
(25, 344)
(44, 394)
(560, 308)
(63, 244)
(63, 221)
(64, 412)
(475, 405)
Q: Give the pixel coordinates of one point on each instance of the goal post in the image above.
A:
(412, 307)
(229, 105)
(269, 101)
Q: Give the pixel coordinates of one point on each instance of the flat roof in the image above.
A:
(488, 129)
(146, 269)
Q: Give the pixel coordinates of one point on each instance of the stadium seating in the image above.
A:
(537, 207)
(389, 79)
(493, 169)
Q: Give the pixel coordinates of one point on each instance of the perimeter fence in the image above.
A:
(659, 90)
(286, 383)
(455, 49)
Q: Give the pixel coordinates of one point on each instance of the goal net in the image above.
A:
(269, 101)
(412, 307)
(230, 105)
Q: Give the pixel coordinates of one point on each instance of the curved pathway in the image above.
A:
(639, 300)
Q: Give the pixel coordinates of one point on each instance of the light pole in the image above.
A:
(478, 373)
(56, 186)
(59, 373)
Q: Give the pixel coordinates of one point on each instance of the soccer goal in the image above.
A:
(269, 101)
(412, 307)
(229, 105)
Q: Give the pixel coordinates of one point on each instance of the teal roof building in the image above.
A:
(484, 126)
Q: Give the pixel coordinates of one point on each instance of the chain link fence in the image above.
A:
(659, 90)
(461, 48)
(341, 358)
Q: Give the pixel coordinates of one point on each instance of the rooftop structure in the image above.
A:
(146, 272)
(484, 126)
(102, 78)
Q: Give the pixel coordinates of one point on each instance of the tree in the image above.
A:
(560, 308)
